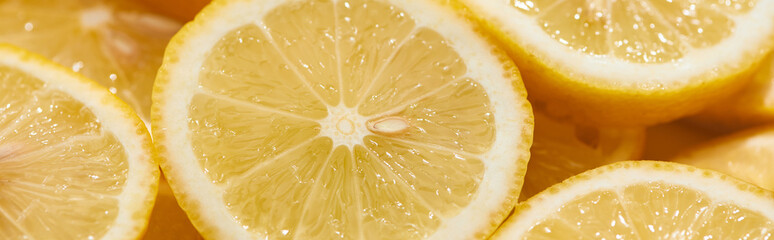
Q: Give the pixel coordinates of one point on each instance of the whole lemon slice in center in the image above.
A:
(363, 119)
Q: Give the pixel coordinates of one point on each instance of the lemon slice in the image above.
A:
(117, 43)
(645, 200)
(168, 220)
(630, 63)
(360, 119)
(561, 150)
(747, 155)
(753, 106)
(75, 162)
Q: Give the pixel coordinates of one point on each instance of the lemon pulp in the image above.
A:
(656, 210)
(346, 119)
(636, 31)
(54, 150)
(114, 42)
(645, 200)
(620, 59)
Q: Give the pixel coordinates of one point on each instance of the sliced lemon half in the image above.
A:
(117, 43)
(75, 162)
(630, 63)
(357, 119)
(645, 200)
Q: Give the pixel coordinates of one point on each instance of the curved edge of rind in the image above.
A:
(747, 108)
(105, 97)
(191, 206)
(528, 127)
(513, 73)
(658, 166)
(560, 94)
(188, 204)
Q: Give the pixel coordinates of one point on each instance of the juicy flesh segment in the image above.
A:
(651, 31)
(285, 113)
(60, 172)
(116, 43)
(651, 211)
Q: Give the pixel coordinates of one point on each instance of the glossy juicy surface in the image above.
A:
(645, 200)
(654, 210)
(340, 119)
(54, 150)
(652, 31)
(114, 42)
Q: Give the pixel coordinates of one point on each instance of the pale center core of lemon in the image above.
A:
(346, 127)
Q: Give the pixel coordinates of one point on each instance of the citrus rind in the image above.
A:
(716, 187)
(202, 200)
(615, 92)
(138, 196)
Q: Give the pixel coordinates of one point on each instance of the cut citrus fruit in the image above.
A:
(665, 141)
(75, 162)
(168, 220)
(629, 63)
(115, 42)
(753, 106)
(747, 155)
(356, 119)
(645, 200)
(561, 150)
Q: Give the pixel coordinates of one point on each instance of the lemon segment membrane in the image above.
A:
(75, 162)
(645, 200)
(656, 35)
(117, 43)
(629, 63)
